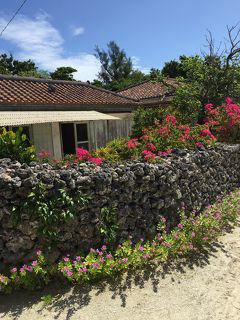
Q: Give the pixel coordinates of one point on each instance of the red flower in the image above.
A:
(171, 119)
(132, 144)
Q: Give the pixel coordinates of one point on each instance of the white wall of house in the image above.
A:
(48, 136)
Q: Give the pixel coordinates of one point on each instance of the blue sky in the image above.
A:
(59, 32)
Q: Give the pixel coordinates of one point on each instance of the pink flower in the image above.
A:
(199, 144)
(102, 259)
(205, 238)
(109, 256)
(190, 246)
(44, 154)
(125, 260)
(148, 154)
(95, 264)
(104, 247)
(146, 256)
(39, 252)
(100, 253)
(3, 278)
(97, 161)
(82, 154)
(66, 259)
(85, 269)
(193, 234)
(69, 273)
(30, 268)
(78, 258)
(140, 248)
(34, 263)
(180, 225)
(150, 146)
(171, 119)
(132, 144)
(14, 270)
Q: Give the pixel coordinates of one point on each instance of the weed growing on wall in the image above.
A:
(50, 211)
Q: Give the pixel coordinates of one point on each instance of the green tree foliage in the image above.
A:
(115, 65)
(208, 80)
(117, 70)
(173, 69)
(146, 117)
(63, 73)
(8, 65)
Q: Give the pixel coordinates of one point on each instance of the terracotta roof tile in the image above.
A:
(31, 91)
(150, 89)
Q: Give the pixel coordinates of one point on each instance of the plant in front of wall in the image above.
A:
(16, 146)
(50, 211)
(108, 224)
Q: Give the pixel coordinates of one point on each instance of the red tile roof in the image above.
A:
(150, 89)
(31, 91)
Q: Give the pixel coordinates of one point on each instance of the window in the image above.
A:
(81, 135)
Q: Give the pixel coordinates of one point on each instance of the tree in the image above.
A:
(173, 69)
(8, 65)
(115, 65)
(210, 78)
(63, 73)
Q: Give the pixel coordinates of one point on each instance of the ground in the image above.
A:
(202, 288)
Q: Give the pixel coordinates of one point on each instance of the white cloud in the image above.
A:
(38, 40)
(77, 31)
(137, 66)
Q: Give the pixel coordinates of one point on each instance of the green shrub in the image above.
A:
(146, 117)
(15, 145)
(115, 150)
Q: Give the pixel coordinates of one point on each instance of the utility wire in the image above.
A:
(13, 17)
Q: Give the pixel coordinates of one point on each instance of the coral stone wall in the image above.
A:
(140, 192)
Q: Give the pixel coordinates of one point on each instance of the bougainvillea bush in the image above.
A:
(190, 236)
(224, 121)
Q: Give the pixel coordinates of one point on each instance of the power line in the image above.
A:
(13, 17)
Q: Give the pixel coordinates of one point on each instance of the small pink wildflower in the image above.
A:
(95, 264)
(125, 260)
(78, 258)
(193, 234)
(109, 256)
(146, 256)
(69, 273)
(39, 252)
(104, 247)
(14, 270)
(180, 225)
(30, 268)
(66, 259)
(140, 248)
(102, 259)
(34, 263)
(205, 238)
(85, 269)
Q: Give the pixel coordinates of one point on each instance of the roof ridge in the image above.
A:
(52, 81)
(134, 85)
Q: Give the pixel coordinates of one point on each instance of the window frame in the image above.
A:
(75, 134)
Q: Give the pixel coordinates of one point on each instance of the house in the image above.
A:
(59, 116)
(152, 93)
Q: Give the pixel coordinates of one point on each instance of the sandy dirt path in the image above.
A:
(197, 289)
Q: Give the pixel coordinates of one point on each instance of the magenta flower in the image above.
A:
(100, 253)
(78, 258)
(102, 259)
(109, 256)
(104, 247)
(69, 273)
(125, 260)
(30, 268)
(14, 270)
(66, 259)
(34, 263)
(85, 269)
(140, 248)
(180, 225)
(95, 264)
